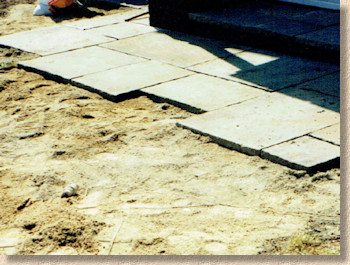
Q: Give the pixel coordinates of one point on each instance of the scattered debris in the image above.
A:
(165, 107)
(29, 226)
(59, 153)
(32, 135)
(321, 176)
(87, 116)
(297, 173)
(70, 190)
(25, 204)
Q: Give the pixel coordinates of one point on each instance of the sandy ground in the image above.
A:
(151, 186)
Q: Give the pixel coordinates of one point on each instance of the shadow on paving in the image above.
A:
(316, 82)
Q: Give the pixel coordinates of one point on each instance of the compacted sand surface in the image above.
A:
(151, 186)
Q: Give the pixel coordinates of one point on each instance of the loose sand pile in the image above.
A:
(154, 187)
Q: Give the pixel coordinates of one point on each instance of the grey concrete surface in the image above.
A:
(51, 40)
(80, 62)
(261, 122)
(174, 48)
(302, 153)
(329, 84)
(330, 134)
(266, 70)
(199, 93)
(328, 37)
(129, 78)
(122, 30)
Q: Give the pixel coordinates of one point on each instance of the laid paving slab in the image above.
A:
(328, 102)
(278, 72)
(51, 40)
(250, 13)
(200, 93)
(261, 122)
(227, 67)
(319, 17)
(304, 153)
(329, 84)
(120, 81)
(178, 49)
(106, 20)
(328, 37)
(243, 16)
(79, 62)
(143, 21)
(288, 27)
(330, 134)
(123, 30)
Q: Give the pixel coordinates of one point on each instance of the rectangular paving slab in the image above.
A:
(287, 27)
(178, 49)
(227, 67)
(319, 17)
(142, 21)
(328, 37)
(199, 93)
(105, 20)
(51, 40)
(331, 103)
(304, 153)
(123, 30)
(261, 122)
(250, 13)
(329, 84)
(330, 134)
(80, 62)
(125, 79)
(266, 70)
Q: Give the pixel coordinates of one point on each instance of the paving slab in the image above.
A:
(330, 134)
(250, 13)
(227, 67)
(305, 153)
(319, 17)
(328, 37)
(232, 17)
(106, 20)
(200, 93)
(126, 79)
(178, 49)
(142, 21)
(329, 84)
(51, 40)
(79, 62)
(261, 122)
(123, 30)
(266, 70)
(331, 103)
(288, 27)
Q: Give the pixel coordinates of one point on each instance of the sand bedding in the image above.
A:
(146, 186)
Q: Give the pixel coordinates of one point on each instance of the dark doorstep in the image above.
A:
(284, 27)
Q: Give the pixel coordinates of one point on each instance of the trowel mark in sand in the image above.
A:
(91, 201)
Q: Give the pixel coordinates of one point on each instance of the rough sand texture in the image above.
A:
(153, 187)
